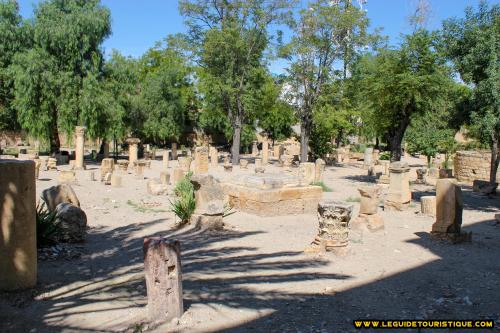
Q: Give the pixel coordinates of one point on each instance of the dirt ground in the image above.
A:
(254, 276)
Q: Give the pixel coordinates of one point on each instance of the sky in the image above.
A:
(138, 24)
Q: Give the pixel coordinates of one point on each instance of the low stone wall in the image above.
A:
(471, 165)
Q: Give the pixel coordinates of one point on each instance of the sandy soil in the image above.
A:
(254, 276)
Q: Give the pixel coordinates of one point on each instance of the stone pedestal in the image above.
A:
(165, 158)
(428, 205)
(384, 177)
(164, 177)
(307, 172)
(79, 147)
(139, 165)
(174, 150)
(18, 256)
(318, 170)
(185, 163)
(278, 151)
(265, 152)
(122, 165)
(162, 268)
(107, 166)
(209, 197)
(38, 164)
(333, 231)
(52, 164)
(286, 161)
(421, 176)
(133, 150)
(368, 158)
(66, 177)
(228, 167)
(399, 195)
(255, 149)
(243, 164)
(116, 180)
(43, 162)
(177, 175)
(449, 208)
(368, 210)
(201, 160)
(214, 157)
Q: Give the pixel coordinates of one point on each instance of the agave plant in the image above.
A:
(46, 227)
(184, 203)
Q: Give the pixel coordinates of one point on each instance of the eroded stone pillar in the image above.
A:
(185, 163)
(162, 267)
(399, 194)
(214, 157)
(428, 205)
(368, 158)
(174, 150)
(201, 160)
(177, 175)
(107, 166)
(79, 147)
(133, 150)
(307, 172)
(333, 231)
(18, 256)
(140, 165)
(243, 163)
(166, 157)
(255, 149)
(368, 211)
(228, 166)
(318, 170)
(265, 152)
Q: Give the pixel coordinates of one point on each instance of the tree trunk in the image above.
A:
(339, 138)
(377, 143)
(304, 141)
(235, 148)
(55, 143)
(495, 160)
(395, 137)
(396, 148)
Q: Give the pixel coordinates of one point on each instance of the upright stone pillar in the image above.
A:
(18, 255)
(333, 229)
(80, 146)
(368, 158)
(201, 160)
(255, 149)
(307, 172)
(384, 177)
(368, 211)
(166, 157)
(399, 195)
(185, 163)
(449, 208)
(265, 152)
(174, 150)
(319, 169)
(162, 268)
(133, 151)
(214, 157)
(277, 151)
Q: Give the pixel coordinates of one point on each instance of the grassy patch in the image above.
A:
(323, 186)
(142, 208)
(353, 199)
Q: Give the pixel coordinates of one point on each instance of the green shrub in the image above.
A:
(46, 228)
(323, 186)
(184, 203)
(384, 156)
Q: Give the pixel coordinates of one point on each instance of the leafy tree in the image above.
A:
(326, 33)
(14, 38)
(230, 38)
(55, 79)
(473, 44)
(400, 84)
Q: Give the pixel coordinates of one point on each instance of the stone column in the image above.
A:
(162, 267)
(174, 150)
(185, 163)
(80, 146)
(201, 160)
(399, 195)
(139, 169)
(265, 152)
(177, 175)
(244, 163)
(228, 166)
(428, 205)
(318, 172)
(133, 151)
(214, 157)
(307, 172)
(368, 158)
(166, 157)
(107, 166)
(18, 256)
(420, 176)
(277, 151)
(384, 177)
(333, 231)
(449, 208)
(255, 149)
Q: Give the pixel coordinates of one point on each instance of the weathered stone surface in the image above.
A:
(286, 160)
(107, 178)
(472, 165)
(18, 256)
(209, 195)
(55, 195)
(278, 150)
(162, 267)
(318, 170)
(164, 177)
(139, 166)
(165, 158)
(174, 150)
(259, 169)
(399, 194)
(368, 158)
(52, 163)
(214, 157)
(72, 222)
(177, 175)
(243, 164)
(372, 222)
(107, 166)
(123, 165)
(307, 172)
(333, 220)
(445, 173)
(116, 180)
(449, 207)
(265, 152)
(79, 147)
(369, 199)
(201, 160)
(66, 177)
(133, 150)
(155, 187)
(421, 172)
(428, 205)
(483, 186)
(255, 150)
(185, 163)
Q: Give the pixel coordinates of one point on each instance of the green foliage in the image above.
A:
(324, 187)
(385, 156)
(142, 208)
(184, 203)
(353, 199)
(321, 137)
(46, 228)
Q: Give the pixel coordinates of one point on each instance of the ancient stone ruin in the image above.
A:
(399, 194)
(209, 198)
(368, 212)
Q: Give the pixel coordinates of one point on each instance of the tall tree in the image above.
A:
(473, 44)
(52, 77)
(325, 33)
(231, 37)
(14, 38)
(402, 83)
